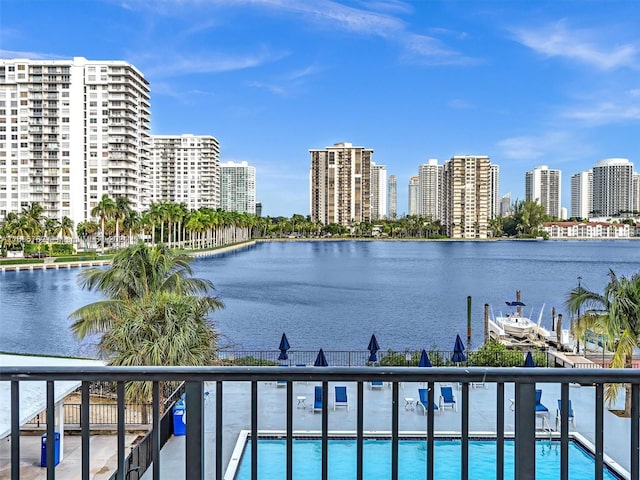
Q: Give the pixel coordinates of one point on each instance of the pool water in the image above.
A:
(307, 460)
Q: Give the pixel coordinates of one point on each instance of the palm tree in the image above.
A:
(65, 228)
(132, 222)
(51, 226)
(155, 312)
(615, 312)
(32, 220)
(104, 210)
(120, 211)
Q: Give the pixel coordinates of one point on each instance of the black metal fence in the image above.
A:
(524, 411)
(390, 358)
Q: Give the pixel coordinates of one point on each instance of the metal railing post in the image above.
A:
(194, 408)
(525, 423)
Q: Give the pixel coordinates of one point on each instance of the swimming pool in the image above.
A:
(307, 455)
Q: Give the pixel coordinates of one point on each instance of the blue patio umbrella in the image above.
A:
(424, 359)
(528, 361)
(321, 360)
(458, 351)
(284, 346)
(373, 348)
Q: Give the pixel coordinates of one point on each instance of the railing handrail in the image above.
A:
(293, 373)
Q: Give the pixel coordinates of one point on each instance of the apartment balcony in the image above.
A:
(225, 403)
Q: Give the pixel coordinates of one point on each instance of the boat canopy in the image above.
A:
(515, 304)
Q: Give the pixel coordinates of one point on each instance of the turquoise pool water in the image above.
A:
(307, 455)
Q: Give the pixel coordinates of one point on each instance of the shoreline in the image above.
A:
(15, 267)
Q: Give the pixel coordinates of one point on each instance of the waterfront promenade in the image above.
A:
(49, 264)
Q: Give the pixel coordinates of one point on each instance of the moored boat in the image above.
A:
(515, 323)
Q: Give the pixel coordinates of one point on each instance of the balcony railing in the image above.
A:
(522, 380)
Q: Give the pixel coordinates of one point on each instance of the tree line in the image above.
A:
(117, 225)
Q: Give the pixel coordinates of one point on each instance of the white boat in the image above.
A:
(515, 323)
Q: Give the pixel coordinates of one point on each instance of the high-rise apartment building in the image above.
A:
(185, 169)
(238, 187)
(543, 185)
(582, 194)
(340, 184)
(636, 193)
(494, 191)
(612, 187)
(429, 190)
(466, 189)
(378, 192)
(414, 195)
(505, 204)
(70, 132)
(393, 197)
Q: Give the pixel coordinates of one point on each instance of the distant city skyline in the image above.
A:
(526, 84)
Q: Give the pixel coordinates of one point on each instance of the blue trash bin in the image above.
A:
(56, 449)
(179, 418)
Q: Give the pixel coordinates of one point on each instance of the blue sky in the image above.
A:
(528, 83)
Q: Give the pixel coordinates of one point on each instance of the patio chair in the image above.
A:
(341, 399)
(317, 399)
(423, 400)
(541, 410)
(572, 418)
(376, 384)
(447, 398)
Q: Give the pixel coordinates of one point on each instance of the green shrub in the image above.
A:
(251, 362)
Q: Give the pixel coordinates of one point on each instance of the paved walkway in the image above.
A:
(103, 450)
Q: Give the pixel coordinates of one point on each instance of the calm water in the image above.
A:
(335, 294)
(307, 460)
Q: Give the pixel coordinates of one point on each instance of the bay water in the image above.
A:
(335, 294)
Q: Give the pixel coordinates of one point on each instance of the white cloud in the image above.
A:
(605, 112)
(529, 148)
(273, 88)
(167, 66)
(376, 19)
(30, 55)
(459, 103)
(586, 46)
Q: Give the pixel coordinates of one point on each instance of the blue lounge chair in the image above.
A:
(376, 384)
(540, 408)
(341, 399)
(317, 399)
(447, 398)
(572, 418)
(423, 395)
(542, 411)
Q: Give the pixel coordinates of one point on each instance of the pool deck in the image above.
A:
(377, 418)
(272, 417)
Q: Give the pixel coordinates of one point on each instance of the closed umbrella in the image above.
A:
(284, 346)
(528, 361)
(373, 348)
(424, 360)
(321, 360)
(458, 351)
